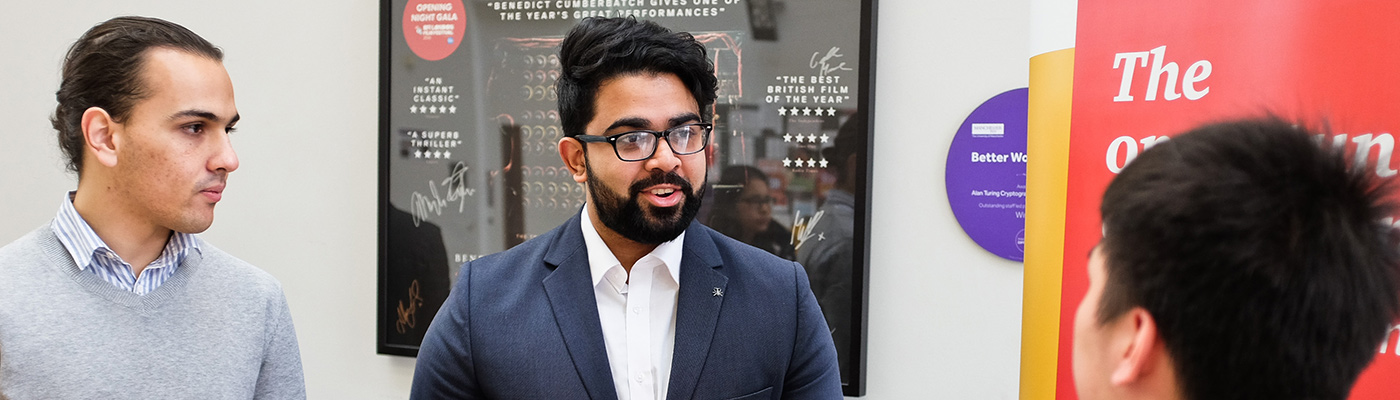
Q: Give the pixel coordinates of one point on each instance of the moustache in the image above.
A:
(219, 178)
(660, 178)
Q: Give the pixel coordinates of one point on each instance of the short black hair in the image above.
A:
(103, 69)
(598, 49)
(1260, 255)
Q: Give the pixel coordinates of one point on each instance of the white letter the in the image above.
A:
(1128, 67)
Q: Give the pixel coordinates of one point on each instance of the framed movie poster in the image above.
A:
(468, 130)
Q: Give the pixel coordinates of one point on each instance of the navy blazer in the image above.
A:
(523, 324)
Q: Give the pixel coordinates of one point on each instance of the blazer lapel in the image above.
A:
(697, 310)
(576, 310)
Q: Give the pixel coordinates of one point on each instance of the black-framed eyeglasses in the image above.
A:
(641, 144)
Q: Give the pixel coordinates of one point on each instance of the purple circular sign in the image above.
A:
(986, 175)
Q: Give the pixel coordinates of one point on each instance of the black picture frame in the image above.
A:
(488, 101)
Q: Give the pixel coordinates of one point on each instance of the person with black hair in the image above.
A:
(630, 299)
(1239, 260)
(117, 298)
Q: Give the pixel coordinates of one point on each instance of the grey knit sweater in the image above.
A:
(218, 329)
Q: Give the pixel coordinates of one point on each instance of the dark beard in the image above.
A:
(626, 217)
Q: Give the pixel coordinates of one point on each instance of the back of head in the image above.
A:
(103, 69)
(1260, 256)
(598, 49)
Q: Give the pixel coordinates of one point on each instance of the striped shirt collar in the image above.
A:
(91, 254)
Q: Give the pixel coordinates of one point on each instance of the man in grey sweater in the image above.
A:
(116, 298)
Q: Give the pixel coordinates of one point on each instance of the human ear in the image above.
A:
(1141, 345)
(571, 152)
(99, 134)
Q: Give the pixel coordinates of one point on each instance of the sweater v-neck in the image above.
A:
(144, 304)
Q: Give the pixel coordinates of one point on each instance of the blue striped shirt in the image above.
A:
(92, 254)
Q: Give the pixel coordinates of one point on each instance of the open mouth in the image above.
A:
(661, 190)
(663, 196)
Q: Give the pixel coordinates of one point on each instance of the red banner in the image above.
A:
(1144, 70)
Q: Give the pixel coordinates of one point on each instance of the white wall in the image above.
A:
(944, 315)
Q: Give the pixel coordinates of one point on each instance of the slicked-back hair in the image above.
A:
(599, 49)
(103, 69)
(1260, 255)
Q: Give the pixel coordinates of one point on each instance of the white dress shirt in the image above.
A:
(638, 315)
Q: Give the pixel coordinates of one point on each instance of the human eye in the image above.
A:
(634, 139)
(632, 143)
(687, 138)
(683, 133)
(193, 128)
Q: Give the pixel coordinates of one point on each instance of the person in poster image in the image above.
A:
(116, 298)
(1238, 261)
(744, 211)
(630, 299)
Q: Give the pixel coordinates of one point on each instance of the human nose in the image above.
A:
(663, 158)
(224, 158)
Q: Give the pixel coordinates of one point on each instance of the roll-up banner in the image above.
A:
(1145, 70)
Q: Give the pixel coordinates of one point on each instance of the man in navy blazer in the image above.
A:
(630, 299)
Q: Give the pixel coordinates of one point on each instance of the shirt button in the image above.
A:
(636, 311)
(639, 377)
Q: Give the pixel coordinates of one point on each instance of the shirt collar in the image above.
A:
(83, 243)
(601, 259)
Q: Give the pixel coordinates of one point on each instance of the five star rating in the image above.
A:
(807, 111)
(434, 90)
(432, 109)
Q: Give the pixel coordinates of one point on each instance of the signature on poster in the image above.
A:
(803, 229)
(455, 186)
(824, 65)
(408, 317)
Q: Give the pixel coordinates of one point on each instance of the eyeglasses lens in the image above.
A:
(639, 145)
(636, 145)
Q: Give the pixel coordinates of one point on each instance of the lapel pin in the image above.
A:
(717, 292)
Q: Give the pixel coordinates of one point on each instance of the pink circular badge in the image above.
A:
(433, 28)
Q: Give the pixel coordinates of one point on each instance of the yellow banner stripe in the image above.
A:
(1051, 87)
